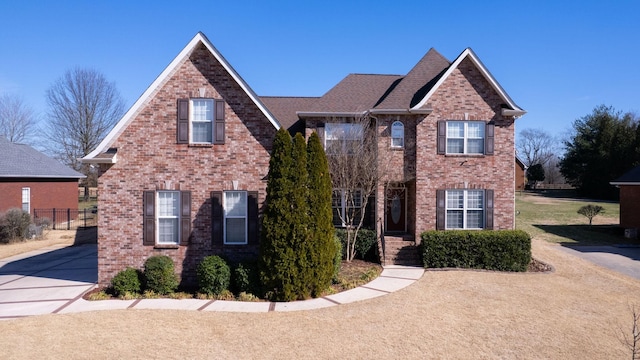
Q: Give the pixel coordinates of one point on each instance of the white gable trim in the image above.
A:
(472, 56)
(130, 115)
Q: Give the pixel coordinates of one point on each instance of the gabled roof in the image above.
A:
(417, 82)
(199, 38)
(469, 54)
(631, 177)
(23, 161)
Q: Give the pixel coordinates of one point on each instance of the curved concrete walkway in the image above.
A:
(52, 281)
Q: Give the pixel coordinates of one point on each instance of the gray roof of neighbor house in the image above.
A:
(631, 177)
(23, 161)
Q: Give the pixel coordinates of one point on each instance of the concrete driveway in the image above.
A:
(46, 281)
(620, 258)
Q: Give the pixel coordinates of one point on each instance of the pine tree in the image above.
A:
(323, 249)
(278, 269)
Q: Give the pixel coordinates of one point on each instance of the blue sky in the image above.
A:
(556, 59)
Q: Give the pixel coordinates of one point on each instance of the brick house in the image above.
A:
(521, 174)
(183, 173)
(629, 184)
(31, 180)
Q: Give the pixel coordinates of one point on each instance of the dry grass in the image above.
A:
(49, 238)
(573, 313)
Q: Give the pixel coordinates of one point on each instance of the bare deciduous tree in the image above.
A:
(535, 146)
(17, 120)
(631, 339)
(83, 107)
(351, 149)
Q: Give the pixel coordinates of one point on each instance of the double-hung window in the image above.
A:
(26, 199)
(202, 121)
(465, 209)
(342, 137)
(168, 210)
(465, 137)
(345, 203)
(235, 217)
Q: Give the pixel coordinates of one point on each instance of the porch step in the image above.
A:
(401, 250)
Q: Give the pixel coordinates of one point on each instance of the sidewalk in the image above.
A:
(52, 281)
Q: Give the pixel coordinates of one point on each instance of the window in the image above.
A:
(166, 218)
(168, 210)
(345, 203)
(397, 134)
(202, 121)
(342, 137)
(465, 137)
(464, 209)
(26, 199)
(235, 217)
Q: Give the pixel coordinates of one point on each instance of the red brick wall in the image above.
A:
(45, 193)
(520, 178)
(149, 159)
(630, 206)
(465, 91)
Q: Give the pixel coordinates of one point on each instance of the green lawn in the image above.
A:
(552, 216)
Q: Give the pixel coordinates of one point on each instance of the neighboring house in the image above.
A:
(629, 184)
(183, 173)
(521, 174)
(31, 180)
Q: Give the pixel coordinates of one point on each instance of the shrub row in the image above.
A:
(503, 250)
(365, 242)
(214, 277)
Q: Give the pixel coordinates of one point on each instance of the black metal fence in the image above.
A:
(65, 219)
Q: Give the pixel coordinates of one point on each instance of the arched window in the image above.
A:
(397, 134)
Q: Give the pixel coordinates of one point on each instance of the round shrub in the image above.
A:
(214, 275)
(159, 275)
(127, 281)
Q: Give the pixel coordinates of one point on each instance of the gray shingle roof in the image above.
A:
(356, 92)
(285, 108)
(631, 177)
(23, 161)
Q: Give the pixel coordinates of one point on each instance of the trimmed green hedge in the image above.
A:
(365, 244)
(503, 250)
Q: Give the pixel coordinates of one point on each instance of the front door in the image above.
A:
(395, 210)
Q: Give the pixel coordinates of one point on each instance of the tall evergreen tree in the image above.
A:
(602, 147)
(321, 216)
(278, 270)
(300, 234)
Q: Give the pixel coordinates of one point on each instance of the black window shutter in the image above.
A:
(489, 141)
(488, 209)
(218, 132)
(149, 218)
(183, 121)
(252, 217)
(440, 209)
(442, 137)
(185, 217)
(216, 217)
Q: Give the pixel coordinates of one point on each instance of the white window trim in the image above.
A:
(402, 138)
(465, 138)
(464, 209)
(191, 119)
(343, 203)
(158, 217)
(26, 191)
(245, 217)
